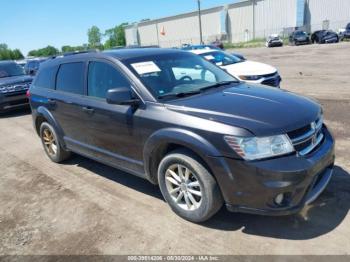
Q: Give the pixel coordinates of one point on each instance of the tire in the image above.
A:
(199, 179)
(52, 147)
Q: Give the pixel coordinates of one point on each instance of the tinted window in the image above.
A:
(103, 77)
(10, 69)
(220, 58)
(70, 78)
(46, 78)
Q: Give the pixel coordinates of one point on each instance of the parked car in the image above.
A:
(218, 44)
(32, 66)
(199, 47)
(14, 84)
(244, 70)
(204, 137)
(299, 38)
(346, 33)
(274, 41)
(324, 37)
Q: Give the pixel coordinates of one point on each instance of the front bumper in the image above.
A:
(251, 186)
(13, 101)
(274, 80)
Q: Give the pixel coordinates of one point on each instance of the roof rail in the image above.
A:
(80, 52)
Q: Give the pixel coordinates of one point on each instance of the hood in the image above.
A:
(262, 110)
(249, 68)
(12, 80)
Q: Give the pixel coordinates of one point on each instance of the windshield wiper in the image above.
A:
(219, 84)
(181, 94)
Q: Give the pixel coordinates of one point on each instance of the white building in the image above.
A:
(241, 21)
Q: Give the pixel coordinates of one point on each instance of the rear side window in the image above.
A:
(70, 78)
(103, 77)
(46, 78)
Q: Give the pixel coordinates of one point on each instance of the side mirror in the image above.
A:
(121, 96)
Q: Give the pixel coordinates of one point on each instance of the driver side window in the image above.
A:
(102, 77)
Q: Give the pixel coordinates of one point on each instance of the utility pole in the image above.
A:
(200, 22)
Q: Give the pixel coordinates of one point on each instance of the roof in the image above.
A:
(120, 54)
(126, 53)
(6, 61)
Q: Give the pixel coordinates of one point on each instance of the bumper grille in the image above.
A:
(273, 80)
(307, 138)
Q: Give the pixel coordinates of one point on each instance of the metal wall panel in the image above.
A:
(240, 22)
(272, 16)
(336, 11)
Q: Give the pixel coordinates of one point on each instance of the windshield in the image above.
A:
(300, 33)
(220, 58)
(10, 69)
(176, 73)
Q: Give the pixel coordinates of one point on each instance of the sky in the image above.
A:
(33, 24)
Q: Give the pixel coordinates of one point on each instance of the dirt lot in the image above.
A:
(82, 207)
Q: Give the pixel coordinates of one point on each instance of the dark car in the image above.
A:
(203, 136)
(14, 84)
(346, 33)
(32, 66)
(324, 37)
(299, 38)
(219, 44)
(197, 47)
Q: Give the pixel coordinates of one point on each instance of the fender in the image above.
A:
(44, 112)
(180, 137)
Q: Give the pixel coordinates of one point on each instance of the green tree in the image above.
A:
(116, 36)
(94, 37)
(46, 51)
(8, 54)
(17, 54)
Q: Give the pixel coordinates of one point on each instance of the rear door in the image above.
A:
(66, 100)
(109, 131)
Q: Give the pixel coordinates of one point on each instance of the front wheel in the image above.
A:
(188, 187)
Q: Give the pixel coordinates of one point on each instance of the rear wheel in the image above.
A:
(188, 187)
(51, 145)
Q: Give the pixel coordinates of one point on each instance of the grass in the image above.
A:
(259, 42)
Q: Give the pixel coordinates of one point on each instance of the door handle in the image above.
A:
(88, 110)
(51, 101)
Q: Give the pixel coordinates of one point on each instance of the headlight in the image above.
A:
(251, 148)
(251, 78)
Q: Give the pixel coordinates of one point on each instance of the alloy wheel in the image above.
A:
(183, 187)
(49, 141)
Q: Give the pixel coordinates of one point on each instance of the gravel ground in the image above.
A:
(83, 207)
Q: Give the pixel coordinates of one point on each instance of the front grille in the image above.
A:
(273, 81)
(16, 89)
(307, 138)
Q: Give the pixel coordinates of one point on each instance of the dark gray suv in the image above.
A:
(179, 121)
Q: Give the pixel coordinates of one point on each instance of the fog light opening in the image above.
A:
(279, 199)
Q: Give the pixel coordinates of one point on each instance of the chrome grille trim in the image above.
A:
(312, 137)
(311, 147)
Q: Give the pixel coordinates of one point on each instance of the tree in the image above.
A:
(46, 51)
(116, 36)
(17, 54)
(94, 37)
(8, 54)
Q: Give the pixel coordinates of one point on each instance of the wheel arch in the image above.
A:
(44, 115)
(166, 140)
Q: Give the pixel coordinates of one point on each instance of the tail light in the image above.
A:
(28, 93)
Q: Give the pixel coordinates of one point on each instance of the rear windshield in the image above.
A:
(10, 69)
